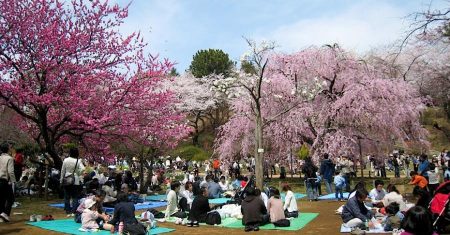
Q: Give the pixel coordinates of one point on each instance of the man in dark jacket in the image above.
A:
(355, 212)
(253, 211)
(327, 172)
(200, 208)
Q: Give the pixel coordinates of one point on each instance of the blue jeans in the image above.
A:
(71, 197)
(328, 186)
(311, 189)
(339, 191)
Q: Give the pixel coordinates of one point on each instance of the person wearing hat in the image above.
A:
(90, 216)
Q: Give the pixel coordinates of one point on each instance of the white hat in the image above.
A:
(88, 203)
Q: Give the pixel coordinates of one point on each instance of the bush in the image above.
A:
(191, 152)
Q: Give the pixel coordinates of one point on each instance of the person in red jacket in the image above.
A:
(216, 167)
(18, 164)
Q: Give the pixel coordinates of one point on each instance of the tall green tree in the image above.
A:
(211, 61)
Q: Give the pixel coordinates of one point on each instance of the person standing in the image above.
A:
(7, 181)
(18, 164)
(309, 170)
(424, 166)
(396, 165)
(71, 168)
(327, 172)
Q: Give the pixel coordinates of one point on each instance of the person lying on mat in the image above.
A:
(91, 220)
(355, 212)
(200, 208)
(275, 206)
(290, 204)
(98, 197)
(123, 212)
(172, 201)
(254, 213)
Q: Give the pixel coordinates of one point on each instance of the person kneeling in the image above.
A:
(355, 213)
(253, 211)
(200, 208)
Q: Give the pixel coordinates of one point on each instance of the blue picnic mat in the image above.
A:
(138, 206)
(159, 197)
(297, 196)
(219, 200)
(70, 227)
(331, 196)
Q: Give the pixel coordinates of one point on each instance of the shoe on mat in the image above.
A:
(38, 218)
(256, 228)
(32, 218)
(195, 224)
(4, 216)
(248, 228)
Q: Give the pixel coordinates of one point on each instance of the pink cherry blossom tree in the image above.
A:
(68, 72)
(327, 98)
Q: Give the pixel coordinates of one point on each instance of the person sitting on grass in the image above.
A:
(223, 183)
(393, 218)
(417, 221)
(290, 204)
(339, 185)
(275, 206)
(213, 187)
(418, 180)
(377, 194)
(355, 212)
(394, 196)
(123, 212)
(187, 197)
(200, 208)
(172, 201)
(98, 197)
(91, 220)
(253, 211)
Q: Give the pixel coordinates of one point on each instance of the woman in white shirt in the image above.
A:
(394, 196)
(223, 184)
(290, 204)
(187, 197)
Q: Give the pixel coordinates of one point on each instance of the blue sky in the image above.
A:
(177, 29)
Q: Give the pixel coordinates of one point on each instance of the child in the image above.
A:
(339, 183)
(433, 179)
(318, 183)
(418, 180)
(90, 215)
(392, 221)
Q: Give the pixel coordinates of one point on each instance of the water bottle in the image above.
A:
(120, 228)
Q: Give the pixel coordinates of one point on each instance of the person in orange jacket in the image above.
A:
(418, 180)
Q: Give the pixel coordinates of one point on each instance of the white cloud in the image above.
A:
(359, 28)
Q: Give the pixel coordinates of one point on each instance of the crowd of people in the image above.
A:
(88, 188)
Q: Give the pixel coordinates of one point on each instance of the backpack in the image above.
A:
(157, 214)
(213, 218)
(135, 229)
(282, 223)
